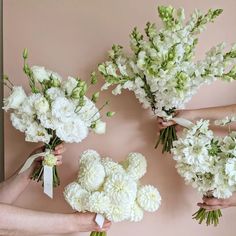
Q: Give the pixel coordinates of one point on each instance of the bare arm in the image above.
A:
(16, 184)
(19, 221)
(209, 113)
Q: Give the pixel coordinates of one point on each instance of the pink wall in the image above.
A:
(72, 37)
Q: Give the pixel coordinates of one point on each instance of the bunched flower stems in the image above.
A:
(210, 217)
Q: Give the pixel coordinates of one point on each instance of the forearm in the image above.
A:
(18, 221)
(214, 113)
(13, 187)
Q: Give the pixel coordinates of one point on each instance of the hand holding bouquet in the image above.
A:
(55, 111)
(112, 189)
(208, 163)
(161, 70)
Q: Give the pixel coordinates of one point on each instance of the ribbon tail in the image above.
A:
(183, 122)
(48, 181)
(99, 219)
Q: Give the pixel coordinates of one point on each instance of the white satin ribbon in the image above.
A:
(47, 172)
(99, 219)
(183, 122)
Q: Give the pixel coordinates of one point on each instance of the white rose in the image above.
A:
(40, 73)
(16, 98)
(41, 105)
(100, 127)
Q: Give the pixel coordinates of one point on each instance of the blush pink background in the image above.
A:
(72, 37)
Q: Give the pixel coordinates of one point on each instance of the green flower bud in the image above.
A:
(76, 93)
(25, 53)
(102, 69)
(94, 78)
(95, 97)
(110, 113)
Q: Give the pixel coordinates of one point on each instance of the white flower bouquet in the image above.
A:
(208, 163)
(55, 111)
(112, 189)
(161, 70)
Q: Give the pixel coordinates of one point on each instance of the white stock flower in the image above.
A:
(120, 188)
(148, 198)
(15, 99)
(76, 196)
(40, 73)
(135, 165)
(91, 175)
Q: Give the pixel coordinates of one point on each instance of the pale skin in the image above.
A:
(20, 221)
(211, 113)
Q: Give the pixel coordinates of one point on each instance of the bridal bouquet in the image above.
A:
(208, 163)
(112, 189)
(161, 70)
(55, 111)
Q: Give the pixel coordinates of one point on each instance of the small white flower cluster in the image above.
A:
(161, 71)
(206, 161)
(56, 109)
(112, 189)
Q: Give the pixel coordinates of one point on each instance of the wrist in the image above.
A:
(73, 222)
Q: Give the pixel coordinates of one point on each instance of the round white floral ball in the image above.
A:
(89, 156)
(91, 175)
(120, 188)
(135, 165)
(136, 213)
(111, 166)
(148, 198)
(76, 196)
(118, 213)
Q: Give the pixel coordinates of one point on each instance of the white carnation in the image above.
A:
(148, 198)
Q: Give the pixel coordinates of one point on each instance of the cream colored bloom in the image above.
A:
(148, 198)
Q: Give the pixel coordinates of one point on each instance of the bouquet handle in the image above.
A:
(47, 173)
(183, 122)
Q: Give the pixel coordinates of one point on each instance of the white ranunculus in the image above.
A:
(70, 84)
(40, 73)
(63, 109)
(72, 131)
(37, 133)
(100, 127)
(41, 105)
(15, 99)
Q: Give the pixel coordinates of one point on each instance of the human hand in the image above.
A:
(85, 222)
(186, 114)
(59, 150)
(211, 204)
